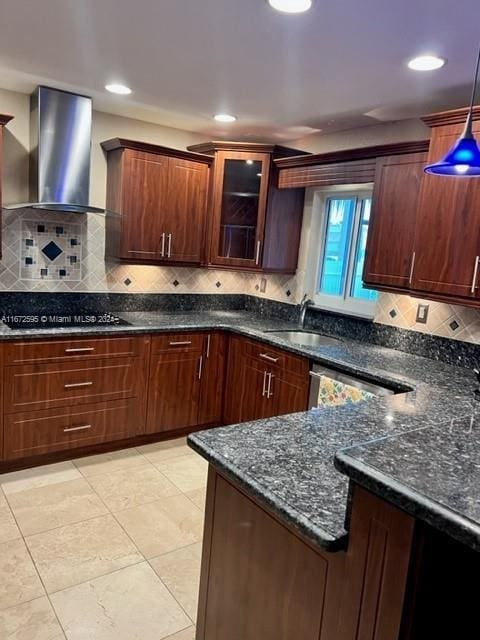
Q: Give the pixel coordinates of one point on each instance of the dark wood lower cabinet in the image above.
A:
(174, 390)
(186, 381)
(74, 393)
(213, 376)
(261, 579)
(263, 382)
(35, 433)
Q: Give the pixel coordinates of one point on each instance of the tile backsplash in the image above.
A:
(45, 251)
(446, 320)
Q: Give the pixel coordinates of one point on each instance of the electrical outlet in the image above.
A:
(422, 313)
(263, 285)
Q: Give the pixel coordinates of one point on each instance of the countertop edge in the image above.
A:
(316, 535)
(409, 500)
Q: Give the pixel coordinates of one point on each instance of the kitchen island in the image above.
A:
(352, 522)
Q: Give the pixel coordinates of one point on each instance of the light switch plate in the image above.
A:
(422, 313)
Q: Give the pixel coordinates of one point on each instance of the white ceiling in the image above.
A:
(339, 66)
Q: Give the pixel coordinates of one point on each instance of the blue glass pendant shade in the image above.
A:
(463, 159)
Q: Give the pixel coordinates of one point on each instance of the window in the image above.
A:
(342, 254)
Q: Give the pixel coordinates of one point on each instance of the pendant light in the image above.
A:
(463, 159)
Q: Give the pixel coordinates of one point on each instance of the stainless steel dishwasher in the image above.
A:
(330, 388)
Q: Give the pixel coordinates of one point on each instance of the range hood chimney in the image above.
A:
(60, 135)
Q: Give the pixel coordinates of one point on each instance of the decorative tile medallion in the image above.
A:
(50, 251)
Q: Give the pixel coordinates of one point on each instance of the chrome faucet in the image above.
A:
(304, 304)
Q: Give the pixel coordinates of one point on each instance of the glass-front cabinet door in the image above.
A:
(240, 199)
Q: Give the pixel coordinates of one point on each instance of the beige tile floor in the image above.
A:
(103, 548)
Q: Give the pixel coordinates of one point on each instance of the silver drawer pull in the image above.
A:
(81, 427)
(162, 251)
(74, 385)
(79, 349)
(180, 343)
(475, 272)
(269, 389)
(265, 356)
(412, 267)
(257, 255)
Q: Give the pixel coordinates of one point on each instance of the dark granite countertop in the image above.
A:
(433, 473)
(288, 462)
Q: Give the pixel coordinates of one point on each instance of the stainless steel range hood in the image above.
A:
(60, 135)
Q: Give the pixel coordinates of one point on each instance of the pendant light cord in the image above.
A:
(468, 133)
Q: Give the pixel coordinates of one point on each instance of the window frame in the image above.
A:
(344, 303)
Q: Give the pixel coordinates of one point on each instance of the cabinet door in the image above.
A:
(185, 210)
(389, 253)
(174, 388)
(288, 392)
(447, 239)
(239, 203)
(211, 390)
(144, 200)
(253, 399)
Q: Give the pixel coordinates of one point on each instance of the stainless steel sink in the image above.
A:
(306, 338)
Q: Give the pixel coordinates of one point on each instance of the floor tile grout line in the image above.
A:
(30, 535)
(44, 588)
(104, 473)
(100, 575)
(171, 592)
(142, 504)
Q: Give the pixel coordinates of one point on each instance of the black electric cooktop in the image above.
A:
(63, 322)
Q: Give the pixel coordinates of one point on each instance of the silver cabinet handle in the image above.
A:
(257, 255)
(79, 349)
(169, 250)
(75, 385)
(475, 272)
(163, 245)
(180, 343)
(265, 356)
(411, 268)
(269, 390)
(81, 427)
(264, 390)
(200, 367)
(208, 346)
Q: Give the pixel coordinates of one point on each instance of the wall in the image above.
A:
(90, 271)
(94, 273)
(385, 133)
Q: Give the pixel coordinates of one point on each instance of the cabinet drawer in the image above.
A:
(37, 432)
(273, 357)
(82, 349)
(177, 342)
(32, 387)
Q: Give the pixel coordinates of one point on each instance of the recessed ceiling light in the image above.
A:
(224, 117)
(291, 6)
(426, 63)
(121, 89)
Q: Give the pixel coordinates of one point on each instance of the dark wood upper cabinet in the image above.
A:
(447, 236)
(4, 119)
(186, 208)
(390, 245)
(253, 224)
(156, 203)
